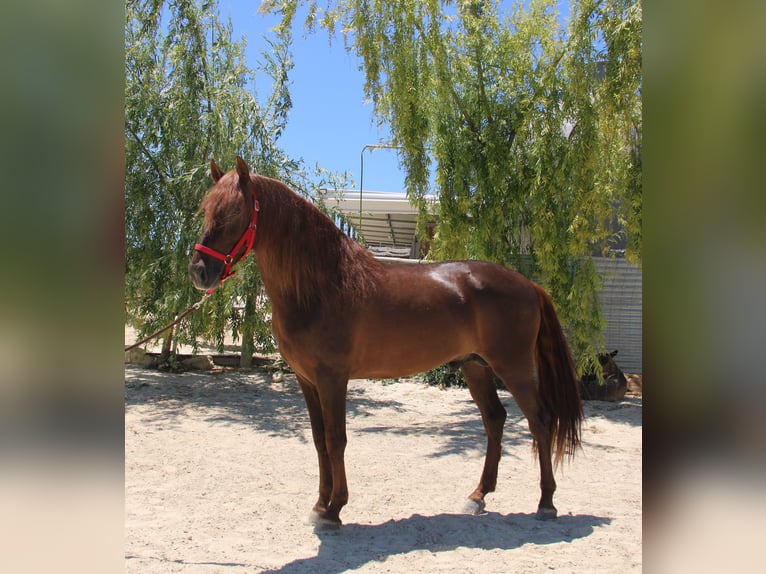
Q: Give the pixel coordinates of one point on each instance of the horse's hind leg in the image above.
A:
(481, 384)
(520, 381)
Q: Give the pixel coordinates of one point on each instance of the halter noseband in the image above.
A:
(247, 240)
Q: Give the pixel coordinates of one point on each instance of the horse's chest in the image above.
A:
(310, 339)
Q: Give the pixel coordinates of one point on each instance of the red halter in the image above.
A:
(247, 239)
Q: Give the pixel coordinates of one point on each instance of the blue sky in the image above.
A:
(330, 122)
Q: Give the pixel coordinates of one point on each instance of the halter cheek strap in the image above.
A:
(247, 239)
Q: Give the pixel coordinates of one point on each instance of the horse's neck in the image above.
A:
(305, 260)
(294, 247)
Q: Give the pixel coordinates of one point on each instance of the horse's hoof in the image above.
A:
(546, 513)
(474, 507)
(320, 522)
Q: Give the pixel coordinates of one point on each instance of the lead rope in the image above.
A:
(177, 320)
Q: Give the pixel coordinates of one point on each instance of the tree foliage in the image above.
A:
(534, 130)
(190, 97)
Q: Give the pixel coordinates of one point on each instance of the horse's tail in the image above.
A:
(559, 397)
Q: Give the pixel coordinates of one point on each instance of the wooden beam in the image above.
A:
(391, 227)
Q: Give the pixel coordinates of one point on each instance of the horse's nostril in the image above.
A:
(198, 272)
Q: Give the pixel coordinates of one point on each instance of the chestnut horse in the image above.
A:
(339, 314)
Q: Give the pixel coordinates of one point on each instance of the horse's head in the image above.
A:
(231, 210)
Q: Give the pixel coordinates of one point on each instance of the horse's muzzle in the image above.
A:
(204, 276)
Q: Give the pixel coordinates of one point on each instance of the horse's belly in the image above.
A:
(393, 369)
(408, 348)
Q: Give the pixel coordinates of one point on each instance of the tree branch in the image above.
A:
(163, 177)
(444, 77)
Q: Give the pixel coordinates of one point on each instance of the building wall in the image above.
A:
(621, 302)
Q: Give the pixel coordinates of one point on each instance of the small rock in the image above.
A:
(200, 363)
(139, 357)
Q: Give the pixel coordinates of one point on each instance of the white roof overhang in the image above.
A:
(381, 218)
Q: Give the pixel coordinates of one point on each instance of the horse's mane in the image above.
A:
(305, 253)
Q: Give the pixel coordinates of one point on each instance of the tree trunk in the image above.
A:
(167, 344)
(248, 322)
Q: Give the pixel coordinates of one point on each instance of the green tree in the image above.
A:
(535, 131)
(189, 98)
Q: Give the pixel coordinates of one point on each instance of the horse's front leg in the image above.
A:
(332, 395)
(311, 396)
(326, 402)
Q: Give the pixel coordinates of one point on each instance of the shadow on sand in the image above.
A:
(354, 545)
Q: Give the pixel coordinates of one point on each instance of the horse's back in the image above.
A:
(459, 283)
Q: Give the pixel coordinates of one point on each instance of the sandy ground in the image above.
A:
(220, 474)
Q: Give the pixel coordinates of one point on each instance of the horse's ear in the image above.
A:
(215, 171)
(243, 172)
